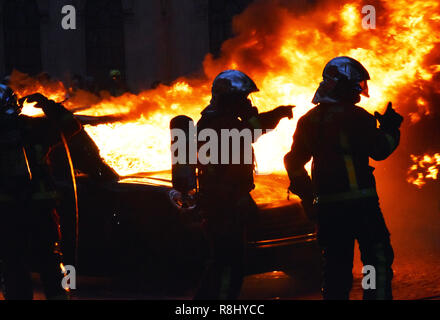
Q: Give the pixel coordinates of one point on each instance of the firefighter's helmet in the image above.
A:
(115, 74)
(344, 80)
(231, 82)
(8, 102)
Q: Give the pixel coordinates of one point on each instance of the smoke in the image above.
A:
(292, 41)
(275, 37)
(81, 101)
(295, 39)
(314, 32)
(284, 45)
(288, 43)
(24, 85)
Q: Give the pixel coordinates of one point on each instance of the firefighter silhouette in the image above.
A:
(224, 188)
(341, 195)
(30, 233)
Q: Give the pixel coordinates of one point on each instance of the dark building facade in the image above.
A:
(148, 40)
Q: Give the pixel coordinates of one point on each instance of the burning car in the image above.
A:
(136, 227)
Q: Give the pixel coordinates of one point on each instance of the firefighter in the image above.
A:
(224, 196)
(341, 196)
(30, 233)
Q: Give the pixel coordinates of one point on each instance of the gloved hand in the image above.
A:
(41, 101)
(301, 185)
(284, 112)
(390, 120)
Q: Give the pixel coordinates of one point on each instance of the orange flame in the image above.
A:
(425, 167)
(285, 52)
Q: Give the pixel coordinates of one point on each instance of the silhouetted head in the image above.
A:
(344, 81)
(230, 91)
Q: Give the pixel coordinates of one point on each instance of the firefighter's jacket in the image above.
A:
(232, 180)
(25, 143)
(340, 139)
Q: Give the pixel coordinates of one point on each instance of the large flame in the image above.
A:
(285, 52)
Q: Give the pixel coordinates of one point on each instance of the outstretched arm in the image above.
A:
(266, 120)
(60, 119)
